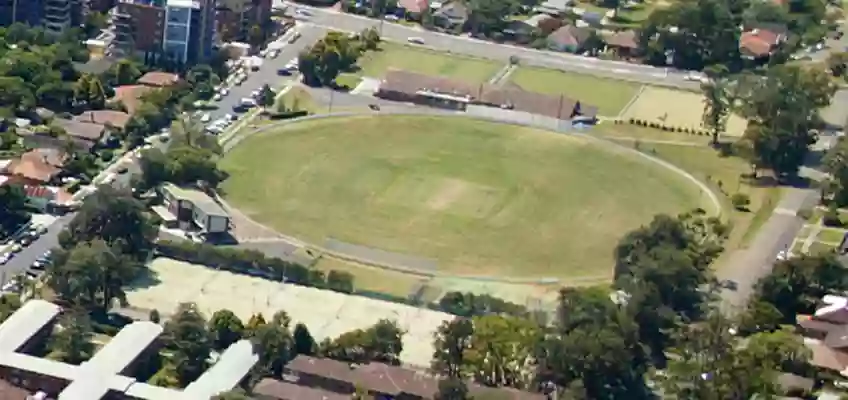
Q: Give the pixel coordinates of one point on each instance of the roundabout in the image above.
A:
(479, 198)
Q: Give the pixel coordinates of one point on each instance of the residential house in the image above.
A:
(35, 167)
(539, 25)
(113, 118)
(158, 79)
(196, 207)
(130, 96)
(826, 335)
(443, 92)
(569, 38)
(324, 376)
(760, 41)
(623, 44)
(42, 197)
(412, 9)
(87, 131)
(451, 16)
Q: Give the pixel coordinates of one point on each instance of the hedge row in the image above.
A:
(658, 125)
(288, 114)
(254, 263)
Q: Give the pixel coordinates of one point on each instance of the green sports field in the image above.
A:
(481, 198)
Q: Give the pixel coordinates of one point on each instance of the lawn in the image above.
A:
(831, 235)
(374, 64)
(676, 108)
(479, 198)
(632, 133)
(371, 279)
(723, 174)
(609, 95)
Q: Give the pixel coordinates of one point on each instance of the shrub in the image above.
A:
(831, 217)
(740, 201)
(632, 121)
(107, 155)
(250, 262)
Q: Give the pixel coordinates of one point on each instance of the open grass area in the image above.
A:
(609, 95)
(723, 174)
(416, 59)
(633, 133)
(479, 198)
(831, 235)
(819, 248)
(373, 279)
(297, 98)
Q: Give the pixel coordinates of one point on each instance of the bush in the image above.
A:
(288, 114)
(252, 262)
(831, 217)
(740, 201)
(107, 155)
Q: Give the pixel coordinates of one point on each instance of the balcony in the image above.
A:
(57, 6)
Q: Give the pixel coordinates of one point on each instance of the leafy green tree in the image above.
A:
(124, 72)
(189, 342)
(452, 389)
(72, 343)
(115, 217)
(253, 324)
(13, 207)
(489, 16)
(187, 131)
(304, 343)
(274, 345)
(500, 349)
(267, 96)
(835, 164)
(186, 165)
(382, 342)
(89, 92)
(782, 114)
(452, 341)
(370, 38)
(9, 303)
(226, 328)
(797, 284)
(91, 275)
(717, 107)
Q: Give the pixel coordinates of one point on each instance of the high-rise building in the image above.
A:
(181, 30)
(235, 18)
(24, 11)
(57, 16)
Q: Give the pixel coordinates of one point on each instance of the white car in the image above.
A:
(392, 17)
(415, 39)
(224, 92)
(217, 97)
(783, 255)
(205, 118)
(230, 117)
(693, 76)
(273, 54)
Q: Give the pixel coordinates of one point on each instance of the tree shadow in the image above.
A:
(147, 279)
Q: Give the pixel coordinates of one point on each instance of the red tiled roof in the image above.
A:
(11, 392)
(38, 191)
(625, 39)
(759, 42)
(130, 95)
(82, 130)
(274, 389)
(117, 119)
(34, 165)
(414, 6)
(158, 79)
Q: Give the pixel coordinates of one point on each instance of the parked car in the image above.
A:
(294, 37)
(415, 40)
(217, 97)
(392, 17)
(284, 72)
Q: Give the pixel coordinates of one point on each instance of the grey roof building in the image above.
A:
(105, 374)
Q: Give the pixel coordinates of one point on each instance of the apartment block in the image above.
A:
(24, 11)
(235, 18)
(182, 30)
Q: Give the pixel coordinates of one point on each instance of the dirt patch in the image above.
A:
(449, 192)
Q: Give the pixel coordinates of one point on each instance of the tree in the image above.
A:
(381, 342)
(13, 207)
(89, 92)
(94, 23)
(717, 106)
(782, 114)
(189, 165)
(226, 328)
(267, 96)
(188, 131)
(304, 343)
(115, 217)
(452, 340)
(488, 16)
(189, 342)
(255, 321)
(326, 59)
(452, 389)
(797, 284)
(501, 350)
(72, 343)
(91, 275)
(154, 316)
(124, 72)
(340, 281)
(9, 303)
(836, 165)
(710, 363)
(740, 201)
(837, 63)
(273, 343)
(370, 38)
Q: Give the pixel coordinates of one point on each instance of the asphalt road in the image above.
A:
(268, 72)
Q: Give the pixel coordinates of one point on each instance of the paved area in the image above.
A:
(366, 87)
(327, 314)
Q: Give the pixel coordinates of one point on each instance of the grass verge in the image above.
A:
(609, 95)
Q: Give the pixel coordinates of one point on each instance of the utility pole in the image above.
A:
(330, 106)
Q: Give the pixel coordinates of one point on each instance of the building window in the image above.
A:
(176, 34)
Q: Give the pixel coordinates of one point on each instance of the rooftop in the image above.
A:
(25, 323)
(197, 198)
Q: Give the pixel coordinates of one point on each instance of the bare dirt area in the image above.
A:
(676, 108)
(327, 314)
